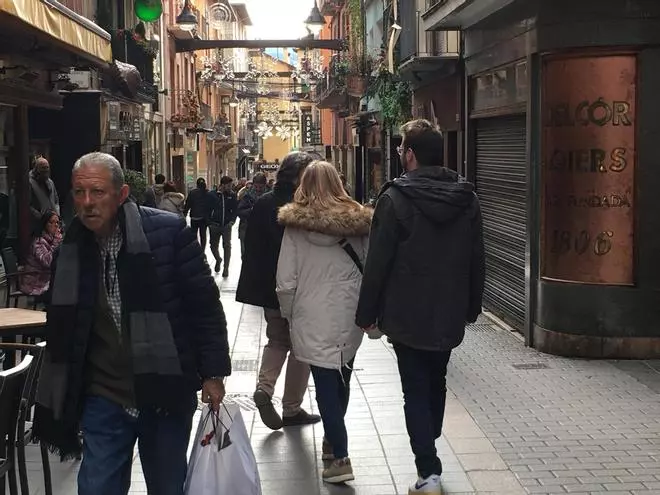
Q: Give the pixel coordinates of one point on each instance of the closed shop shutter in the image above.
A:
(501, 182)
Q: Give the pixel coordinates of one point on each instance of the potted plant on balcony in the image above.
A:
(340, 71)
(125, 41)
(190, 114)
(361, 67)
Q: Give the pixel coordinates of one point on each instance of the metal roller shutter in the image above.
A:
(501, 183)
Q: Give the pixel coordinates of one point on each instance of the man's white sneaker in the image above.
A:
(428, 486)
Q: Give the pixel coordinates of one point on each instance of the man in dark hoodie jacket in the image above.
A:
(423, 282)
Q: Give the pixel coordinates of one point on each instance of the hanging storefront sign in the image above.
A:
(589, 111)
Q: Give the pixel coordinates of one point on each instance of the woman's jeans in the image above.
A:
(332, 393)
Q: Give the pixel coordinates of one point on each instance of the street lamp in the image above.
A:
(233, 101)
(315, 22)
(186, 20)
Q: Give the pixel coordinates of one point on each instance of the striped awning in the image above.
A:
(54, 19)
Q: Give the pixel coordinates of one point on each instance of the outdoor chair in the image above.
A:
(12, 386)
(24, 428)
(13, 273)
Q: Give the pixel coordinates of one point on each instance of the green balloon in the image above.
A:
(148, 10)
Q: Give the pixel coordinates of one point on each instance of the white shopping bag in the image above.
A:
(222, 461)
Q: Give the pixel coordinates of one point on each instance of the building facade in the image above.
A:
(41, 62)
(559, 134)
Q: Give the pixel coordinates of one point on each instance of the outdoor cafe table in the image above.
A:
(18, 321)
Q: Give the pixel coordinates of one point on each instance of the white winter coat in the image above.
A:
(172, 202)
(318, 284)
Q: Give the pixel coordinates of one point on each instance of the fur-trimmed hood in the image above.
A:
(340, 221)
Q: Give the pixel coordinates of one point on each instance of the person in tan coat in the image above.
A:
(319, 274)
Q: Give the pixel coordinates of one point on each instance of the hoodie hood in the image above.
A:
(327, 226)
(175, 197)
(438, 192)
(159, 190)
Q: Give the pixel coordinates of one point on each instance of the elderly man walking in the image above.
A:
(134, 328)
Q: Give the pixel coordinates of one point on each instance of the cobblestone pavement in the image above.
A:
(517, 421)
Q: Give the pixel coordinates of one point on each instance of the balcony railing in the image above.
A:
(139, 52)
(331, 90)
(416, 42)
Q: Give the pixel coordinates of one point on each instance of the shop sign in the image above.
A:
(307, 123)
(269, 166)
(589, 111)
(135, 132)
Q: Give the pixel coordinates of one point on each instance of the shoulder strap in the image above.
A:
(346, 246)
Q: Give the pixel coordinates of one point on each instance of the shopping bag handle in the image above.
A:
(223, 440)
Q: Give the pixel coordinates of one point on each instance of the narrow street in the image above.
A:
(517, 421)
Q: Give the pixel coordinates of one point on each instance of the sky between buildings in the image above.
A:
(278, 19)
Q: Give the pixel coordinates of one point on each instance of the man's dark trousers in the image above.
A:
(109, 436)
(216, 232)
(199, 227)
(423, 379)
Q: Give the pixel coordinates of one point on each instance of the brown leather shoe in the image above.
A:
(266, 410)
(300, 419)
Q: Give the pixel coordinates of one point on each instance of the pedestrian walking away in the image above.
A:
(135, 327)
(318, 282)
(199, 206)
(221, 221)
(155, 194)
(246, 203)
(256, 286)
(423, 282)
(172, 200)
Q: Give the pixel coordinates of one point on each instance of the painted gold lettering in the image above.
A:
(619, 162)
(620, 115)
(598, 160)
(600, 113)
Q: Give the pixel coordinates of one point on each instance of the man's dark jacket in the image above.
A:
(224, 207)
(188, 293)
(244, 210)
(263, 240)
(198, 203)
(424, 274)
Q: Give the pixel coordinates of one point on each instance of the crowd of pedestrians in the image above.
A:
(136, 328)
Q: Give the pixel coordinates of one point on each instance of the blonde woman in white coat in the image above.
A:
(318, 284)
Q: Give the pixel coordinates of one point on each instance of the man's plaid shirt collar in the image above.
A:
(109, 249)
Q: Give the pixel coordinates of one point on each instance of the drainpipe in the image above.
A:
(165, 165)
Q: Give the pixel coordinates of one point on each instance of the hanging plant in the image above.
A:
(394, 95)
(356, 37)
(137, 37)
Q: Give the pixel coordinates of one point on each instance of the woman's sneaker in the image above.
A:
(340, 471)
(328, 453)
(428, 486)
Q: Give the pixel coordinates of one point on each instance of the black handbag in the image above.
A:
(346, 246)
